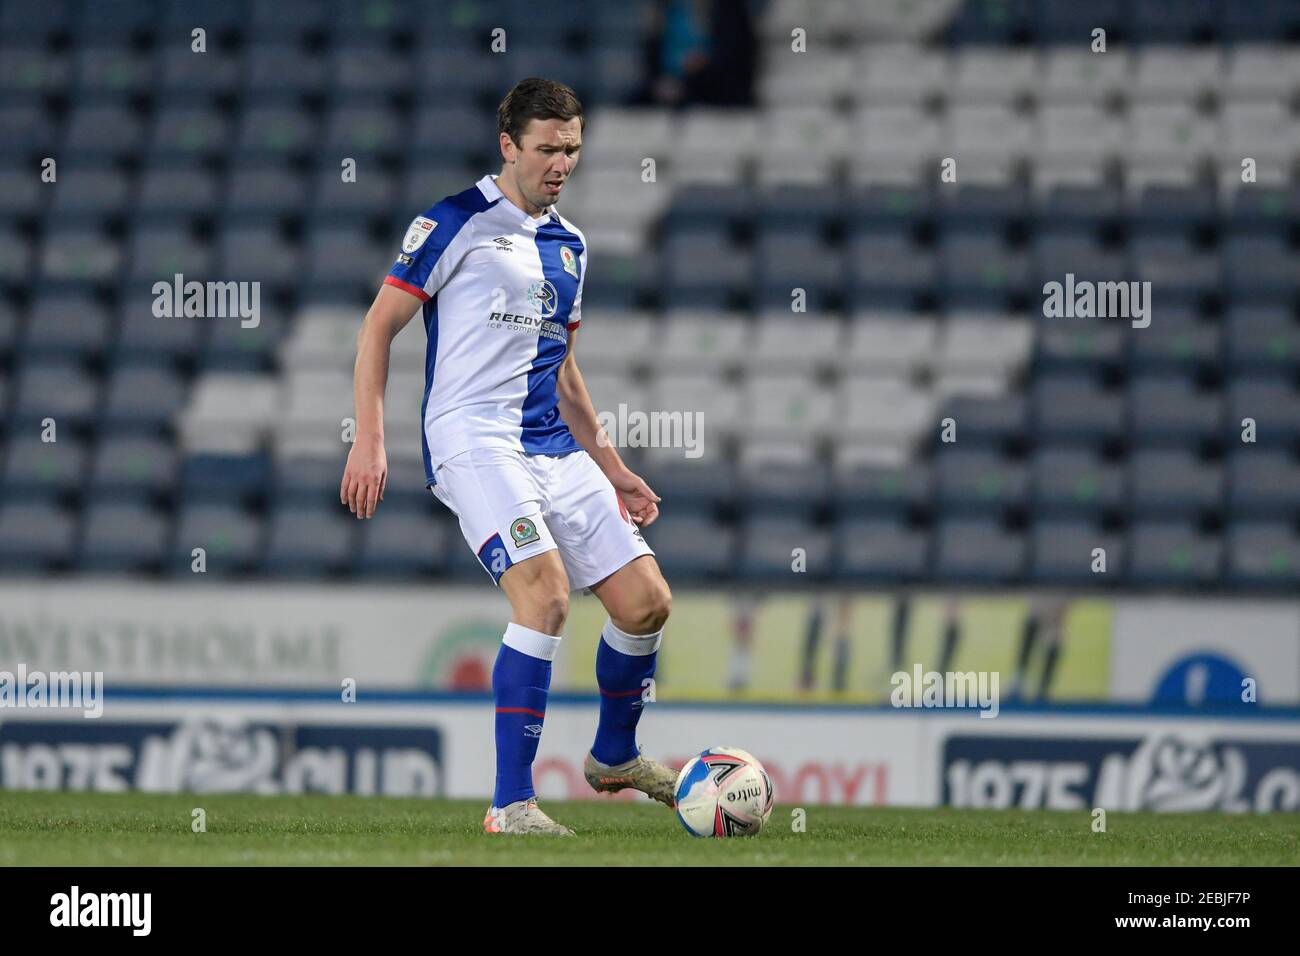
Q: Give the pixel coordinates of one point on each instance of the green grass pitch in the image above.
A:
(94, 829)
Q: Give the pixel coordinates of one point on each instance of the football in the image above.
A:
(724, 792)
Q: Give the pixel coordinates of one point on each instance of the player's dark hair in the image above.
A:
(535, 98)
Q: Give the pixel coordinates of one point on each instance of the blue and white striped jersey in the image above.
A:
(501, 292)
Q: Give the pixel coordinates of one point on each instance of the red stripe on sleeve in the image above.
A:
(415, 290)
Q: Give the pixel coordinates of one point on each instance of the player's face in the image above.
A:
(545, 159)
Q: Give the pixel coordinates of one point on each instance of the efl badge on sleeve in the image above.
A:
(419, 231)
(569, 261)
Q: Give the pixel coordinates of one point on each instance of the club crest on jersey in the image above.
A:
(417, 233)
(569, 261)
(523, 531)
(542, 296)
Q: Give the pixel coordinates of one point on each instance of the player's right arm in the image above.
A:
(366, 472)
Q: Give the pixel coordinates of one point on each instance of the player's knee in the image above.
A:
(653, 609)
(551, 604)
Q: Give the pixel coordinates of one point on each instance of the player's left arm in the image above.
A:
(580, 415)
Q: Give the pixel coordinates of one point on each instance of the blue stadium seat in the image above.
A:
(88, 191)
(16, 254)
(1173, 482)
(406, 542)
(1262, 339)
(188, 132)
(1073, 481)
(980, 271)
(308, 481)
(1176, 341)
(103, 132)
(988, 209)
(121, 536)
(67, 327)
(693, 545)
(158, 253)
(169, 192)
(888, 268)
(36, 537)
(978, 481)
(1062, 554)
(79, 256)
(1167, 410)
(1273, 404)
(1263, 483)
(1076, 408)
(230, 538)
(37, 469)
(1057, 254)
(1170, 553)
(978, 551)
(880, 550)
(143, 398)
(694, 484)
(372, 192)
(871, 490)
(20, 192)
(1259, 268)
(369, 68)
(1261, 554)
(57, 390)
(111, 71)
(768, 550)
(784, 488)
(224, 479)
(309, 540)
(1263, 210)
(143, 337)
(131, 467)
(259, 251)
(991, 420)
(786, 260)
(270, 131)
(234, 347)
(26, 129)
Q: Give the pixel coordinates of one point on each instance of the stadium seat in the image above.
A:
(309, 540)
(1173, 482)
(1263, 555)
(1172, 554)
(1263, 483)
(36, 536)
(1071, 481)
(978, 551)
(122, 537)
(1062, 553)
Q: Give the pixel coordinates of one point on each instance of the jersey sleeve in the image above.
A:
(433, 246)
(575, 313)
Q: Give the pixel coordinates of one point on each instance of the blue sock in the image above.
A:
(623, 662)
(521, 681)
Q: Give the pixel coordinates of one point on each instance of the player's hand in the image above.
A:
(638, 497)
(364, 477)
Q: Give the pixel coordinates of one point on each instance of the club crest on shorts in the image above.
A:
(523, 531)
(418, 232)
(569, 261)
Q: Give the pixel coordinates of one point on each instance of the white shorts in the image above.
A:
(513, 506)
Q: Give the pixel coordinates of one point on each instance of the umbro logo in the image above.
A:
(532, 730)
(503, 244)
